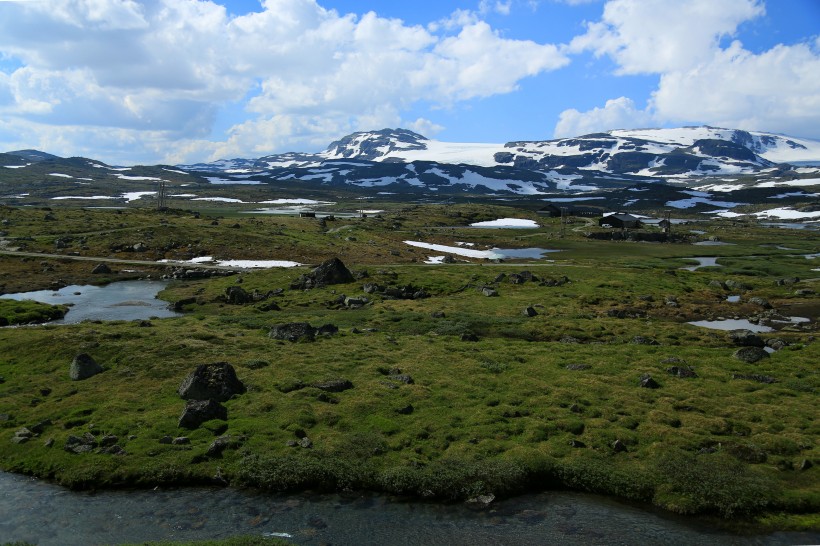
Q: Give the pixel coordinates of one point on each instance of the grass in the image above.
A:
(498, 415)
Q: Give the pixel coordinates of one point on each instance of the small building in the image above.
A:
(620, 220)
(307, 214)
(554, 211)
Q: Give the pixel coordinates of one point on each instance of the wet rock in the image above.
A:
(647, 382)
(751, 355)
(746, 338)
(334, 385)
(197, 412)
(216, 381)
(101, 269)
(293, 331)
(83, 367)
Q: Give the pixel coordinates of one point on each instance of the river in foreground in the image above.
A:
(45, 514)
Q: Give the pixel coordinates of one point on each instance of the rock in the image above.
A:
(577, 367)
(332, 271)
(751, 355)
(83, 367)
(356, 302)
(762, 302)
(647, 382)
(269, 306)
(755, 377)
(577, 443)
(787, 281)
(569, 339)
(618, 446)
(327, 330)
(746, 338)
(682, 371)
(334, 385)
(22, 436)
(101, 269)
(736, 285)
(481, 501)
(530, 311)
(404, 378)
(179, 441)
(198, 411)
(717, 284)
(216, 381)
(469, 336)
(776, 343)
(437, 314)
(221, 444)
(489, 292)
(78, 445)
(406, 410)
(805, 464)
(166, 440)
(306, 443)
(500, 277)
(293, 331)
(108, 440)
(237, 295)
(641, 340)
(371, 288)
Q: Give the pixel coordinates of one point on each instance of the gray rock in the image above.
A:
(101, 269)
(356, 302)
(166, 440)
(83, 367)
(402, 377)
(736, 285)
(755, 377)
(762, 302)
(641, 340)
(530, 311)
(489, 292)
(237, 295)
(578, 367)
(751, 355)
(180, 441)
(306, 443)
(618, 446)
(746, 338)
(197, 412)
(334, 385)
(647, 382)
(216, 381)
(293, 331)
(222, 443)
(108, 440)
(682, 371)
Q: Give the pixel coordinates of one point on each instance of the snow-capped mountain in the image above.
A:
(407, 161)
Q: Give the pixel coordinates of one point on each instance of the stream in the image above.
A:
(45, 514)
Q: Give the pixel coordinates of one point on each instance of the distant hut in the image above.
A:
(620, 220)
(554, 211)
(307, 214)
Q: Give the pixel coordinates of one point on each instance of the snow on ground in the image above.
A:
(798, 182)
(507, 222)
(296, 202)
(17, 166)
(571, 199)
(693, 201)
(183, 195)
(450, 152)
(126, 177)
(134, 195)
(244, 264)
(457, 250)
(434, 260)
(721, 187)
(61, 175)
(794, 194)
(221, 199)
(787, 213)
(217, 180)
(175, 171)
(82, 197)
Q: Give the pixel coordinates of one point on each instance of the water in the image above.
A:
(703, 261)
(732, 324)
(126, 300)
(712, 243)
(733, 299)
(47, 515)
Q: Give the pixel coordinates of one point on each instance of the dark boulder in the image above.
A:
(237, 295)
(334, 385)
(647, 382)
(529, 311)
(406, 410)
(83, 367)
(746, 338)
(222, 443)
(293, 331)
(751, 355)
(618, 446)
(101, 269)
(682, 371)
(197, 412)
(216, 381)
(755, 377)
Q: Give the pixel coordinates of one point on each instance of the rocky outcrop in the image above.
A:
(293, 331)
(746, 338)
(751, 355)
(101, 269)
(83, 367)
(216, 381)
(332, 271)
(334, 385)
(197, 412)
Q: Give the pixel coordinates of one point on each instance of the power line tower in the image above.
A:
(162, 196)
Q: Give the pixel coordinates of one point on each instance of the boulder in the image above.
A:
(618, 446)
(762, 302)
(682, 371)
(751, 355)
(197, 412)
(222, 443)
(332, 271)
(755, 377)
(647, 382)
(216, 381)
(642, 340)
(334, 385)
(293, 331)
(406, 410)
(101, 269)
(489, 292)
(237, 295)
(746, 338)
(529, 311)
(83, 367)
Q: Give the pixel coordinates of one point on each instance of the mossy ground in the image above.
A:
(495, 415)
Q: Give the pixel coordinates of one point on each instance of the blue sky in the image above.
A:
(178, 81)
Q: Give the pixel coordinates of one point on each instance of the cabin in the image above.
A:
(554, 211)
(620, 220)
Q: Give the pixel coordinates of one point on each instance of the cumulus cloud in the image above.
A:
(165, 67)
(618, 113)
(700, 81)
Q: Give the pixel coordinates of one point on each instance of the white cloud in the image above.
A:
(618, 113)
(650, 36)
(699, 81)
(166, 67)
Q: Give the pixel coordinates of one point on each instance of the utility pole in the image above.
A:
(162, 196)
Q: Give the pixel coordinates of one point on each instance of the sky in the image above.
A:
(183, 81)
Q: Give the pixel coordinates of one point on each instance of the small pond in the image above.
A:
(732, 324)
(126, 300)
(703, 261)
(712, 243)
(47, 515)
